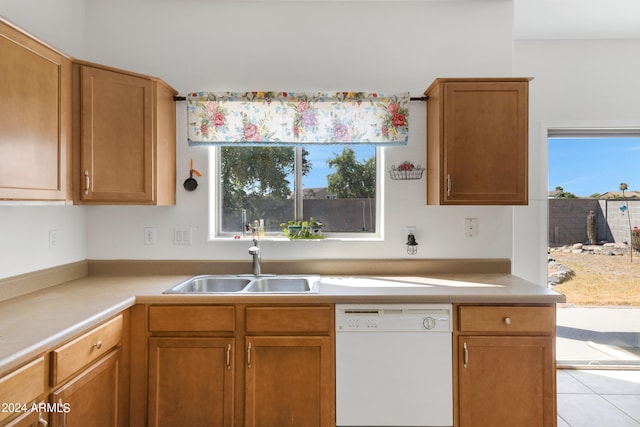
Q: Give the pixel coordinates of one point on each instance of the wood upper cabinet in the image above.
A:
(35, 119)
(477, 141)
(124, 137)
(506, 366)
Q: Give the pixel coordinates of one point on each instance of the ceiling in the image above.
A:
(576, 19)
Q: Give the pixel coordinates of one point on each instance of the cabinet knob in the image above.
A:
(507, 321)
(98, 345)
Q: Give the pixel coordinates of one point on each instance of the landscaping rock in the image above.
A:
(558, 273)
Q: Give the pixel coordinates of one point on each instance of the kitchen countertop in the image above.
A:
(36, 322)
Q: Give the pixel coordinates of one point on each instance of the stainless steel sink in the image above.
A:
(235, 284)
(210, 284)
(282, 285)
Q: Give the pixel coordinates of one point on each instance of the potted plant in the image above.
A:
(311, 229)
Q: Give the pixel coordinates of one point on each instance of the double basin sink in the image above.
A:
(247, 284)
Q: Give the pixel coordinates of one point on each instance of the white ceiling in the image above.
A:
(576, 19)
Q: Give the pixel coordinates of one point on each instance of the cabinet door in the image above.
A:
(486, 143)
(116, 137)
(506, 381)
(22, 386)
(191, 382)
(35, 119)
(289, 382)
(32, 418)
(91, 398)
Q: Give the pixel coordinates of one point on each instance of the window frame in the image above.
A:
(215, 201)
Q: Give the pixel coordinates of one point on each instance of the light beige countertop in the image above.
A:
(38, 321)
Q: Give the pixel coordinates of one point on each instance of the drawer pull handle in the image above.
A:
(249, 355)
(87, 182)
(64, 415)
(507, 321)
(41, 420)
(466, 355)
(98, 345)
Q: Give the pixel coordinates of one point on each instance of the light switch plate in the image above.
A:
(182, 236)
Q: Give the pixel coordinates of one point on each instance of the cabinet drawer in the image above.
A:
(85, 349)
(192, 318)
(22, 386)
(506, 319)
(289, 319)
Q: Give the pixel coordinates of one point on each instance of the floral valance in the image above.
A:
(289, 118)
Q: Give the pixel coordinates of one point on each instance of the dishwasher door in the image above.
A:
(394, 378)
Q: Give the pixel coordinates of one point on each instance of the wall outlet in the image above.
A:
(149, 235)
(471, 227)
(53, 240)
(182, 236)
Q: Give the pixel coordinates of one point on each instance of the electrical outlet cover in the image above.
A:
(149, 235)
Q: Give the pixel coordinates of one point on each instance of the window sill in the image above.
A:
(327, 238)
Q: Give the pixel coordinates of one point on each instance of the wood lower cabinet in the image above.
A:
(31, 418)
(35, 119)
(477, 141)
(90, 398)
(227, 365)
(191, 382)
(505, 366)
(506, 381)
(124, 137)
(80, 383)
(19, 390)
(287, 381)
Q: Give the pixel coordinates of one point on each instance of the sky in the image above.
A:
(584, 166)
(318, 156)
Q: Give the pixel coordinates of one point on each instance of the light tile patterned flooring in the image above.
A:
(598, 398)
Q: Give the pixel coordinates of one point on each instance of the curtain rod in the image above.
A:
(413, 98)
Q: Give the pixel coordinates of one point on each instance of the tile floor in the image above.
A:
(598, 398)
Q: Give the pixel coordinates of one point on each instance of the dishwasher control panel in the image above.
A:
(393, 317)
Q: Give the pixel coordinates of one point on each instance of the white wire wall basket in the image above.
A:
(406, 171)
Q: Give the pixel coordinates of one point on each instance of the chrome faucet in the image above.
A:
(254, 251)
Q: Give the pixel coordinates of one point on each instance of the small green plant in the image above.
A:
(302, 229)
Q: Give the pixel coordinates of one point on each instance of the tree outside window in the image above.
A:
(338, 187)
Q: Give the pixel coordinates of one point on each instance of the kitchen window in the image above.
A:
(336, 185)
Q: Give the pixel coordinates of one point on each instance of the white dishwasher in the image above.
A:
(393, 365)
